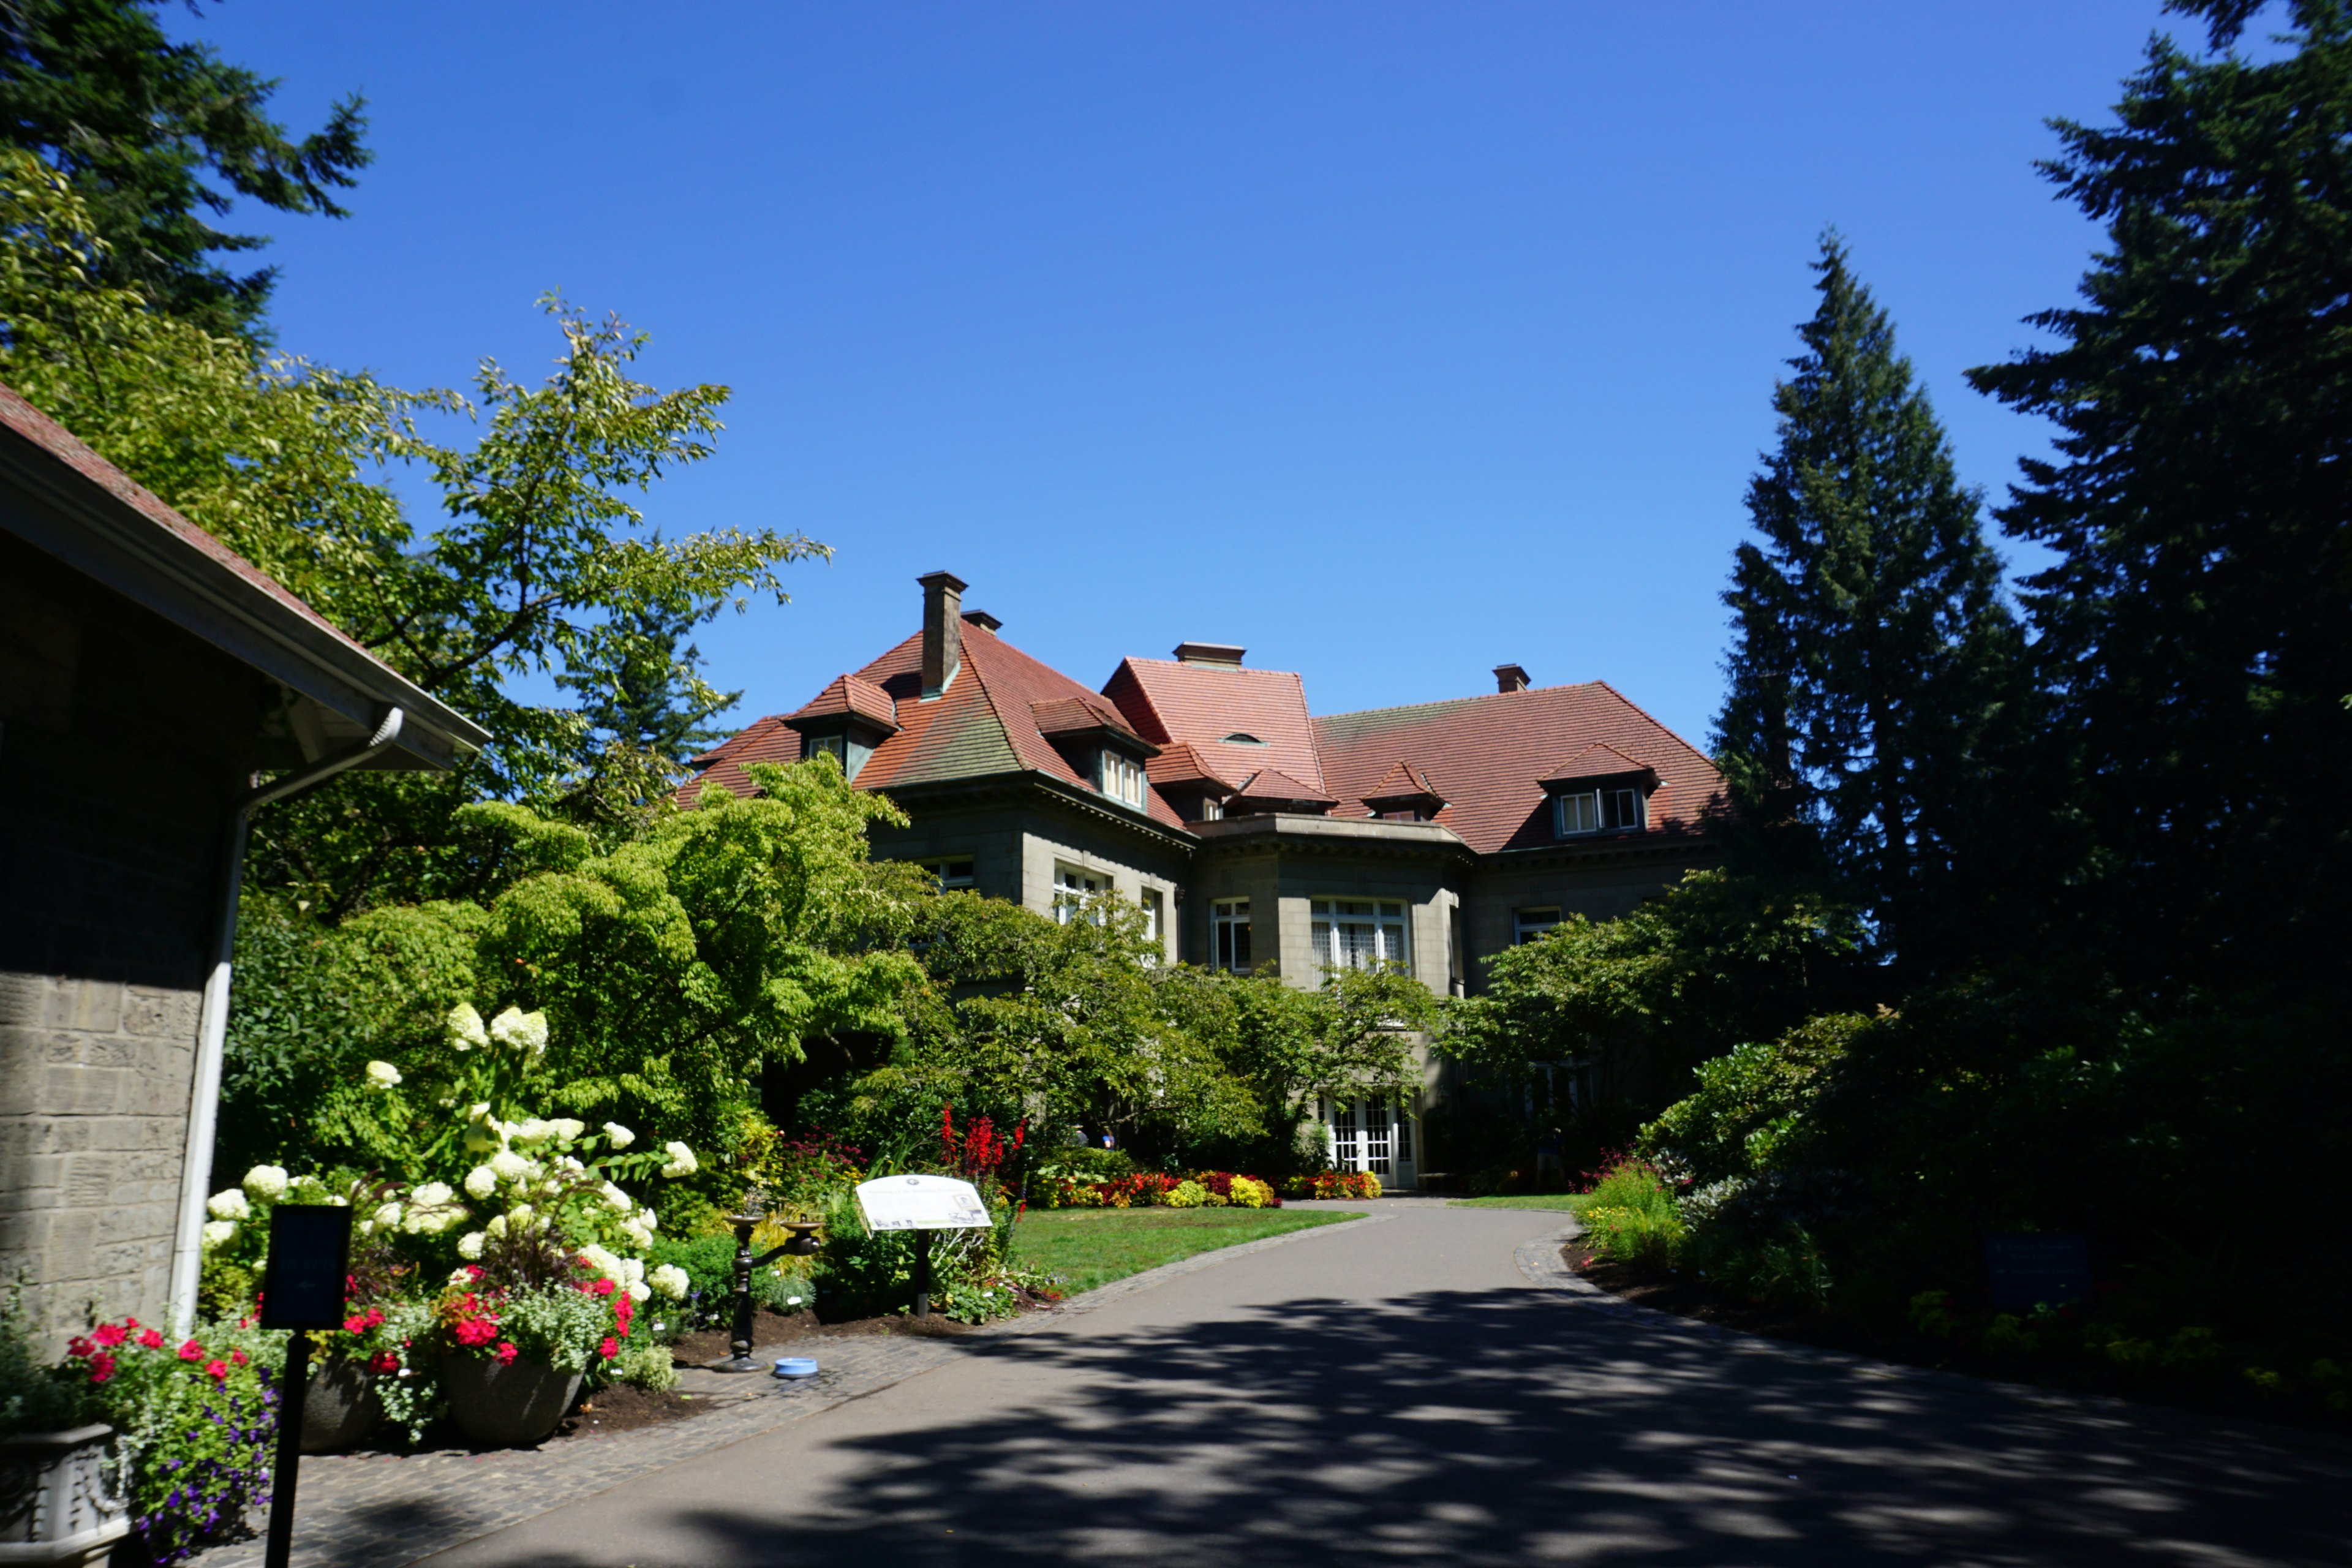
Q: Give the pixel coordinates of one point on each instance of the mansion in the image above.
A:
(1249, 831)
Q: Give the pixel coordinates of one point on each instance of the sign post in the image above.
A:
(302, 1290)
(922, 1204)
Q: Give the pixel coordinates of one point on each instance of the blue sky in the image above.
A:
(1390, 341)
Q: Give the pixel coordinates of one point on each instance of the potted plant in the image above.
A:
(522, 1349)
(61, 1493)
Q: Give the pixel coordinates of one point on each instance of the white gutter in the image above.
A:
(212, 1034)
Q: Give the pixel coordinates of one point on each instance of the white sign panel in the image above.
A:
(922, 1202)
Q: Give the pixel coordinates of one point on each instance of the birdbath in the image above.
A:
(803, 1243)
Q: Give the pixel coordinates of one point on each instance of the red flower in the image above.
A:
(507, 1353)
(192, 1352)
(78, 1347)
(476, 1332)
(152, 1339)
(130, 1323)
(110, 1335)
(238, 1356)
(219, 1369)
(385, 1360)
(102, 1367)
(609, 1349)
(355, 1324)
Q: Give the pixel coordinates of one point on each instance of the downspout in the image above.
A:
(212, 1034)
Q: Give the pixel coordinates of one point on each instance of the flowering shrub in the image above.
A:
(1187, 1195)
(197, 1421)
(1333, 1185)
(1216, 1189)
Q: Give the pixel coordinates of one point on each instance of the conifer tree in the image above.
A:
(2196, 630)
(1872, 649)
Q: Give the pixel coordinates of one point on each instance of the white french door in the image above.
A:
(1369, 1135)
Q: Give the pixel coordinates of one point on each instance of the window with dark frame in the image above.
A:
(1229, 935)
(953, 873)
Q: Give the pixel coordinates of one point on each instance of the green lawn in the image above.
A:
(1094, 1247)
(1568, 1201)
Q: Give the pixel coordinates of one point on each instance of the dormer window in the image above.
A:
(1239, 739)
(1624, 809)
(1119, 776)
(835, 746)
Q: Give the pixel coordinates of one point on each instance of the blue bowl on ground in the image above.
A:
(795, 1367)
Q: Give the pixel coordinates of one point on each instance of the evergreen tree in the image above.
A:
(95, 88)
(2197, 628)
(1872, 649)
(653, 697)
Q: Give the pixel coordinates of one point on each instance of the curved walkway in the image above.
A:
(1401, 1390)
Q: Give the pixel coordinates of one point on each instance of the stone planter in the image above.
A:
(338, 1406)
(511, 1406)
(60, 1501)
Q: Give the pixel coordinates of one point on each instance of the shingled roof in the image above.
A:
(1488, 756)
(1401, 782)
(984, 723)
(850, 696)
(1202, 705)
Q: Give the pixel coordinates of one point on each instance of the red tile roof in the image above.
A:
(1488, 755)
(1596, 761)
(1179, 764)
(1403, 781)
(985, 723)
(1267, 785)
(1083, 715)
(850, 696)
(1202, 704)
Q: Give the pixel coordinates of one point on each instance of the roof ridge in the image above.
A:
(1473, 697)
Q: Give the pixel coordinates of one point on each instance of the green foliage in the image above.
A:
(1750, 1100)
(136, 122)
(653, 698)
(1720, 958)
(2192, 626)
(1872, 659)
(1630, 1217)
(710, 1264)
(35, 1395)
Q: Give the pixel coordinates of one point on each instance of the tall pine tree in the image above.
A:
(2197, 628)
(1872, 653)
(97, 90)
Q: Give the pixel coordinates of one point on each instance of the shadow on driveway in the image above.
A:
(1498, 1427)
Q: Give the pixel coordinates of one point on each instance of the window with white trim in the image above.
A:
(1119, 776)
(1075, 892)
(1601, 811)
(1360, 934)
(1229, 935)
(1212, 808)
(952, 873)
(1528, 924)
(833, 746)
(1152, 917)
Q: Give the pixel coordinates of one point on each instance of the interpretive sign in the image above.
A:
(310, 1255)
(922, 1202)
(2032, 1268)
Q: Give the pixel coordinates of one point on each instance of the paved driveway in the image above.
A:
(1395, 1390)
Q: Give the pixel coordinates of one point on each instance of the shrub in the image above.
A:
(709, 1262)
(1187, 1195)
(196, 1424)
(1333, 1185)
(1630, 1217)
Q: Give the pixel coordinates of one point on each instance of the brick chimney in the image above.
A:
(942, 629)
(1510, 677)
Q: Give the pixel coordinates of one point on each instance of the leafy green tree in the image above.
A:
(1873, 655)
(542, 564)
(1721, 959)
(160, 139)
(654, 699)
(672, 966)
(2196, 628)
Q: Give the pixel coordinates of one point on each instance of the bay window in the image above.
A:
(1360, 934)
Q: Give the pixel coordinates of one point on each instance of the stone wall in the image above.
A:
(124, 743)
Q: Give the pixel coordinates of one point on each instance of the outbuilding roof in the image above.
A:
(63, 497)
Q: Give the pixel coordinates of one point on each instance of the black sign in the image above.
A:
(2034, 1268)
(309, 1254)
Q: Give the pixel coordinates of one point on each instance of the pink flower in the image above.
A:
(78, 1347)
(609, 1349)
(355, 1324)
(601, 1287)
(102, 1367)
(238, 1356)
(192, 1352)
(385, 1360)
(152, 1339)
(218, 1369)
(507, 1353)
(110, 1335)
